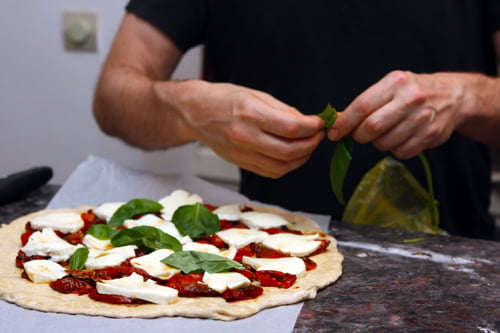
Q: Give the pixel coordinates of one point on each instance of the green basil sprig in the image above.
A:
(341, 158)
(146, 238)
(132, 208)
(198, 262)
(100, 231)
(79, 258)
(329, 115)
(195, 221)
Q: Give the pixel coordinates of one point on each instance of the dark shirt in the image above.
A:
(310, 53)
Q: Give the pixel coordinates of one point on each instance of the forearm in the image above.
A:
(127, 105)
(481, 110)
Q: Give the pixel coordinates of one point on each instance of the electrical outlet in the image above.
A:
(80, 30)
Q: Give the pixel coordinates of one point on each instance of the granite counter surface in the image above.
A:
(438, 284)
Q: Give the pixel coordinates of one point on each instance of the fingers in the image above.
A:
(282, 120)
(398, 114)
(262, 134)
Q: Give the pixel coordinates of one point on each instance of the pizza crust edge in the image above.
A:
(26, 294)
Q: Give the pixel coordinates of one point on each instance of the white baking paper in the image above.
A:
(97, 180)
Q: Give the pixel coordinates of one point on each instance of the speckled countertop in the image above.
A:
(440, 284)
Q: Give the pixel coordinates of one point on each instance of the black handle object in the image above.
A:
(15, 186)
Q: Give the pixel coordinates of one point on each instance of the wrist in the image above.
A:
(178, 98)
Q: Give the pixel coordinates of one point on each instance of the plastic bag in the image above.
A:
(390, 196)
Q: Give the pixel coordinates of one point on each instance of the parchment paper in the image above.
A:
(97, 180)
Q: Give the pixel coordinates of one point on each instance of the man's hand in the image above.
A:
(246, 127)
(406, 113)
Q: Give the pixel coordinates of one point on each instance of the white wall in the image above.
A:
(46, 92)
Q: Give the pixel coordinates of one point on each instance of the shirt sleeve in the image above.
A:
(181, 20)
(494, 15)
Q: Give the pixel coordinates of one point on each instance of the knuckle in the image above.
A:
(400, 77)
(382, 144)
(363, 108)
(374, 125)
(414, 95)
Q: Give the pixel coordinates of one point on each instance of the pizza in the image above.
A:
(176, 256)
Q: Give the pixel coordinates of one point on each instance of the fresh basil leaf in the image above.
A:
(79, 258)
(329, 115)
(339, 166)
(146, 238)
(132, 208)
(433, 204)
(195, 221)
(100, 231)
(197, 262)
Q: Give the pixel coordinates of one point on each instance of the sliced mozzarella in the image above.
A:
(201, 247)
(229, 253)
(98, 259)
(152, 264)
(228, 212)
(170, 228)
(175, 200)
(292, 244)
(152, 220)
(220, 282)
(63, 222)
(134, 286)
(290, 265)
(262, 220)
(241, 237)
(95, 243)
(106, 210)
(43, 271)
(46, 243)
(147, 219)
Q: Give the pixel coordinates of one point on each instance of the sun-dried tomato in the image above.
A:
(21, 258)
(74, 237)
(83, 274)
(247, 251)
(25, 237)
(210, 207)
(28, 231)
(283, 229)
(275, 279)
(116, 272)
(310, 264)
(246, 272)
(250, 292)
(72, 285)
(88, 216)
(214, 240)
(322, 247)
(115, 299)
(89, 219)
(262, 251)
(190, 285)
(225, 224)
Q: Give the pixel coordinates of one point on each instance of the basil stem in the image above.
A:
(341, 158)
(329, 115)
(79, 258)
(132, 208)
(433, 202)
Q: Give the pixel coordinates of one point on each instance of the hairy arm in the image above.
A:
(136, 100)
